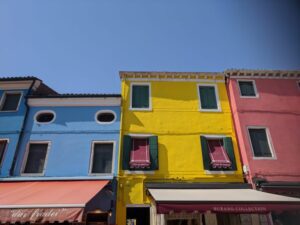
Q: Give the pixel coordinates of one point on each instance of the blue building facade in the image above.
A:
(60, 139)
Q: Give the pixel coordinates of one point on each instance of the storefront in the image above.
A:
(218, 206)
(56, 201)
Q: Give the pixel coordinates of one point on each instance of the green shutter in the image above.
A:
(229, 148)
(153, 144)
(140, 96)
(205, 154)
(126, 152)
(208, 97)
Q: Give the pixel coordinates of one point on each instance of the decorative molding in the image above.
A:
(173, 76)
(74, 101)
(265, 74)
(18, 85)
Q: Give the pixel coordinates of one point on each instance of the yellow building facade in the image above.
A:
(175, 112)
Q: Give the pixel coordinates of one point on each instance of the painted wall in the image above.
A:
(278, 109)
(10, 127)
(71, 136)
(176, 120)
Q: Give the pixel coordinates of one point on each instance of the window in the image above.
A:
(10, 102)
(102, 156)
(247, 88)
(105, 117)
(217, 153)
(259, 142)
(36, 158)
(140, 96)
(45, 117)
(3, 144)
(140, 153)
(208, 98)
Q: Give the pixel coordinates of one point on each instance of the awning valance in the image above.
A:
(221, 200)
(46, 201)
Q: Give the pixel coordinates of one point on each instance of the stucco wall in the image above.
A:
(278, 109)
(71, 136)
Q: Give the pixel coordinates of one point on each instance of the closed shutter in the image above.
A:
(126, 152)
(208, 97)
(205, 153)
(229, 148)
(153, 142)
(140, 96)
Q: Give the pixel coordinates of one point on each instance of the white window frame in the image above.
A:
(26, 158)
(254, 87)
(44, 111)
(5, 149)
(150, 96)
(105, 111)
(4, 97)
(92, 157)
(211, 137)
(270, 143)
(218, 109)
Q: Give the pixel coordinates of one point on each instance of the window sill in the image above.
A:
(210, 110)
(32, 174)
(219, 172)
(1, 111)
(249, 96)
(139, 172)
(264, 158)
(140, 109)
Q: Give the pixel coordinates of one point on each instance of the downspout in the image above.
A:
(12, 168)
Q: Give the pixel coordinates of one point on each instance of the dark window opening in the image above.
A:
(247, 88)
(45, 117)
(102, 158)
(259, 141)
(36, 158)
(138, 215)
(105, 117)
(3, 144)
(10, 101)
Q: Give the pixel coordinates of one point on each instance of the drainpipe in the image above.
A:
(12, 168)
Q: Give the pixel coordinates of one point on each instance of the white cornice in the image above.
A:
(263, 74)
(173, 76)
(16, 85)
(112, 101)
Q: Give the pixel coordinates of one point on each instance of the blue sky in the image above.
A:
(80, 45)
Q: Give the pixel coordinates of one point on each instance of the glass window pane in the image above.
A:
(11, 102)
(2, 149)
(140, 96)
(36, 158)
(208, 97)
(260, 143)
(102, 159)
(247, 88)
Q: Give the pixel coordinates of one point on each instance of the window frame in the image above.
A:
(92, 157)
(254, 87)
(270, 143)
(105, 111)
(212, 137)
(218, 109)
(150, 96)
(25, 158)
(5, 150)
(3, 97)
(44, 111)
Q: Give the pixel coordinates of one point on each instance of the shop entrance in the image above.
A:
(138, 216)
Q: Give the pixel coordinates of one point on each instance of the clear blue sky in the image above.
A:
(80, 45)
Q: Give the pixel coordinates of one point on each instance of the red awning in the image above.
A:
(217, 154)
(46, 201)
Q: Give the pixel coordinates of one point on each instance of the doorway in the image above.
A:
(138, 216)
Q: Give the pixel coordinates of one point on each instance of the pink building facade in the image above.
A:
(266, 114)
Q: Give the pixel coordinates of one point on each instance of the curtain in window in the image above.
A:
(140, 154)
(11, 102)
(218, 155)
(208, 97)
(102, 159)
(36, 158)
(140, 96)
(260, 143)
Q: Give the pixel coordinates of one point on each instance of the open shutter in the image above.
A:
(153, 143)
(205, 154)
(126, 152)
(229, 148)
